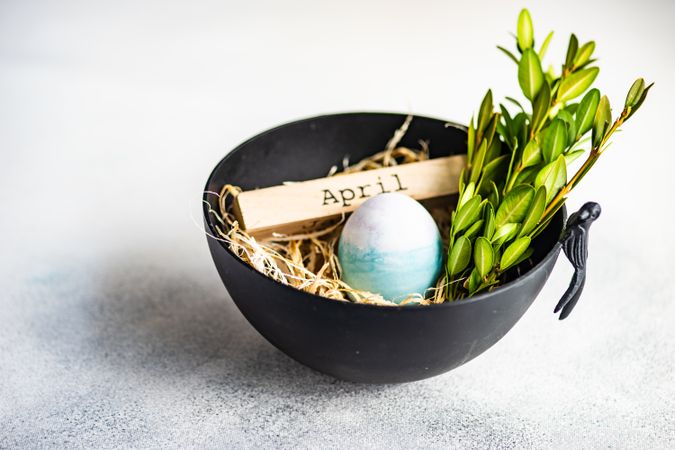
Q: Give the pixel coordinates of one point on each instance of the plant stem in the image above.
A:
(575, 179)
(592, 158)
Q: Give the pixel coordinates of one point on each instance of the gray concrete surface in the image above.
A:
(135, 353)
(115, 331)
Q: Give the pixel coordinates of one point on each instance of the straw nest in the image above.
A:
(309, 261)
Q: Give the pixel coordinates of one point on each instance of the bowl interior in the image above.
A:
(307, 149)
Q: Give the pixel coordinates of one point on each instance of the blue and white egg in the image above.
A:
(391, 246)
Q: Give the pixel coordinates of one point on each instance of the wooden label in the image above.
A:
(295, 207)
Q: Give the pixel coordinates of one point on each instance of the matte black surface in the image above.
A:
(363, 343)
(575, 245)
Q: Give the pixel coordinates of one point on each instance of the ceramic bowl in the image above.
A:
(357, 342)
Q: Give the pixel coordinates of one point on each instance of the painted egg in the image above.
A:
(391, 246)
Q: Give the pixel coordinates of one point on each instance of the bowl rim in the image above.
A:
(211, 233)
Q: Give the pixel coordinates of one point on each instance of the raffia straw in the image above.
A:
(308, 261)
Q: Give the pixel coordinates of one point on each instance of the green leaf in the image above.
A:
(586, 112)
(530, 75)
(567, 116)
(506, 115)
(540, 107)
(491, 127)
(601, 121)
(525, 30)
(493, 151)
(587, 63)
(561, 176)
(553, 176)
(535, 212)
(573, 155)
(470, 140)
(515, 205)
(459, 256)
(524, 256)
(473, 282)
(515, 102)
(513, 252)
(527, 175)
(572, 48)
(576, 84)
(483, 256)
(543, 174)
(468, 192)
(507, 135)
(478, 161)
(489, 221)
(571, 108)
(554, 141)
(639, 103)
(520, 125)
(508, 53)
(584, 54)
(493, 196)
(544, 45)
(505, 233)
(494, 170)
(467, 214)
(503, 131)
(551, 78)
(485, 112)
(531, 154)
(474, 229)
(635, 93)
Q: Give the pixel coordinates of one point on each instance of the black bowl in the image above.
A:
(363, 343)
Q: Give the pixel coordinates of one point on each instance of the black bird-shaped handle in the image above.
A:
(574, 242)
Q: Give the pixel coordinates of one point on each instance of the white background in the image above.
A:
(112, 115)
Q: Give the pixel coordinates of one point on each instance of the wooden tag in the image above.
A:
(296, 207)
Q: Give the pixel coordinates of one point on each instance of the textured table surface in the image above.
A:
(115, 330)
